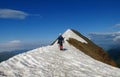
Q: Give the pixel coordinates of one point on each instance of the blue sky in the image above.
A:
(42, 20)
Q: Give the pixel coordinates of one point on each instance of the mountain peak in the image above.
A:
(71, 34)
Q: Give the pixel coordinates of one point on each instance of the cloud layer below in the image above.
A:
(106, 40)
(12, 14)
(19, 45)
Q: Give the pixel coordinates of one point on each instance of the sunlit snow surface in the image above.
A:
(49, 61)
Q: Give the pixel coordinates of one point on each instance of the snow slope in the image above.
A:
(49, 61)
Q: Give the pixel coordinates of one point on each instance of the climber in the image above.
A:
(60, 41)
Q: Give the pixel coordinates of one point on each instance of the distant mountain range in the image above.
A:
(115, 55)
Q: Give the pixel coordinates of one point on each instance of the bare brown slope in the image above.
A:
(91, 49)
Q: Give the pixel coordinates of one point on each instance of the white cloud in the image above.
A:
(117, 39)
(15, 41)
(11, 45)
(117, 25)
(12, 14)
(18, 45)
(106, 39)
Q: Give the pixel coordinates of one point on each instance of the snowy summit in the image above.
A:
(49, 61)
(70, 34)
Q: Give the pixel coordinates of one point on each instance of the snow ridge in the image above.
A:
(49, 61)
